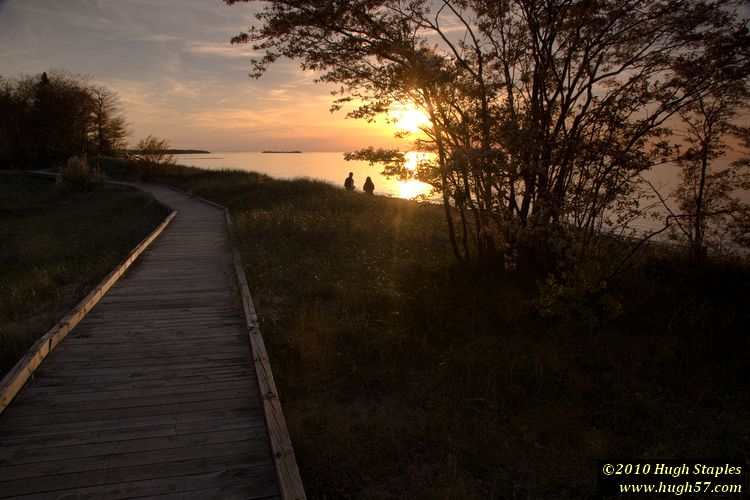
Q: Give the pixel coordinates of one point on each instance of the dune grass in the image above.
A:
(57, 245)
(405, 375)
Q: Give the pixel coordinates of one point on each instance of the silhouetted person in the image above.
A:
(349, 182)
(369, 187)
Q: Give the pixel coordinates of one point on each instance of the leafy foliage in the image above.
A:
(542, 113)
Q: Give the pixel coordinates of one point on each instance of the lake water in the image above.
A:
(327, 167)
(332, 168)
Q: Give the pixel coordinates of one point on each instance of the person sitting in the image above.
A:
(349, 182)
(369, 187)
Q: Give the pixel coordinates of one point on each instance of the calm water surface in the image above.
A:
(332, 168)
(328, 167)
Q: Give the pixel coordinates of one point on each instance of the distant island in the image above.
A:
(187, 151)
(281, 151)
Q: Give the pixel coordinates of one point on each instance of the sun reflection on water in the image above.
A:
(412, 188)
(414, 157)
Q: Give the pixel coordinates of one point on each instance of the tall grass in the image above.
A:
(56, 245)
(405, 375)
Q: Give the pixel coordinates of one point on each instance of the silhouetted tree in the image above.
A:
(708, 196)
(108, 127)
(740, 219)
(543, 113)
(16, 100)
(60, 117)
(47, 118)
(8, 119)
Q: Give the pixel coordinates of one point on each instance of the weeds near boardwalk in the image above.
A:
(56, 245)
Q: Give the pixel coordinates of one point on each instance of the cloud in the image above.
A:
(161, 38)
(220, 50)
(181, 89)
(235, 119)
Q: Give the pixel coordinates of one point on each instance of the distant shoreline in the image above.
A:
(277, 152)
(188, 151)
(176, 151)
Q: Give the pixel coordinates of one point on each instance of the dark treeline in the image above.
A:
(49, 117)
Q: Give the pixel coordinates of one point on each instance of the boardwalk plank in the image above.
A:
(167, 471)
(234, 486)
(57, 445)
(29, 413)
(204, 418)
(75, 381)
(106, 394)
(59, 406)
(114, 458)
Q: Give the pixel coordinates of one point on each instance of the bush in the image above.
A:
(579, 302)
(152, 158)
(78, 175)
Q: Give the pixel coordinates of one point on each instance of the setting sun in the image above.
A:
(408, 117)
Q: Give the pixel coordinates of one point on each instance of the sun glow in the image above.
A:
(413, 158)
(408, 118)
(412, 188)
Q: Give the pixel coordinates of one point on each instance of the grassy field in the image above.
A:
(405, 375)
(57, 245)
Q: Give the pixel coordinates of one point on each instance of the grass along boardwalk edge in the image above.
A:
(27, 365)
(287, 472)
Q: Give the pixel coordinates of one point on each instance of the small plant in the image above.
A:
(577, 300)
(78, 175)
(152, 157)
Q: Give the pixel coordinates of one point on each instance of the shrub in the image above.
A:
(577, 301)
(152, 158)
(78, 175)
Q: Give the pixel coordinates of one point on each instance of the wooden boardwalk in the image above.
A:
(154, 393)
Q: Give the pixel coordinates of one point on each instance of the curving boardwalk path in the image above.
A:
(154, 393)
